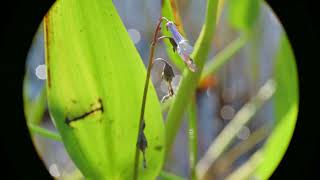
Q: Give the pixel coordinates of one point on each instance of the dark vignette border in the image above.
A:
(21, 20)
(299, 19)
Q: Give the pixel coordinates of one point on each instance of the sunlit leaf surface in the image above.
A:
(95, 82)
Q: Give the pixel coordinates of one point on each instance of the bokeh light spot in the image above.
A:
(135, 35)
(41, 72)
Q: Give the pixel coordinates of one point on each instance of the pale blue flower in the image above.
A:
(184, 49)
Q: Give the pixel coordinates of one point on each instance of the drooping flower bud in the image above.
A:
(184, 49)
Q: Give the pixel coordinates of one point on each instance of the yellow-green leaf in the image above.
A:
(242, 14)
(95, 81)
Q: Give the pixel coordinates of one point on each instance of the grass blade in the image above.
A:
(226, 136)
(169, 176)
(44, 132)
(224, 56)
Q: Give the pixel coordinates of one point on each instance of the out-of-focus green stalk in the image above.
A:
(35, 108)
(192, 138)
(219, 11)
(190, 79)
(226, 136)
(44, 132)
(169, 176)
(224, 56)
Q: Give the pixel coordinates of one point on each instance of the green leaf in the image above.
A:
(96, 78)
(242, 14)
(286, 109)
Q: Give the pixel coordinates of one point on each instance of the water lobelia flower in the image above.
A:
(184, 49)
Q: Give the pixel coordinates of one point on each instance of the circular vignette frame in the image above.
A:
(19, 29)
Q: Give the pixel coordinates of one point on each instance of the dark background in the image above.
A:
(19, 22)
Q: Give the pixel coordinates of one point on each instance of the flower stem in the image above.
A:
(192, 138)
(145, 92)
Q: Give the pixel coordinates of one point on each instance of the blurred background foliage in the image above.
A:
(262, 53)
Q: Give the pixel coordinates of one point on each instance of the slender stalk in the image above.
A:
(224, 56)
(192, 138)
(34, 109)
(169, 176)
(145, 92)
(219, 11)
(226, 136)
(44, 132)
(190, 79)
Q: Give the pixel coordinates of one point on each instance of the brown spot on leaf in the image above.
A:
(99, 107)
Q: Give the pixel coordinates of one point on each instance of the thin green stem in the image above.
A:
(192, 138)
(34, 109)
(224, 56)
(44, 132)
(145, 92)
(243, 116)
(190, 79)
(169, 176)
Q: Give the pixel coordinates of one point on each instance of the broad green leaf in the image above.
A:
(286, 109)
(96, 77)
(242, 14)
